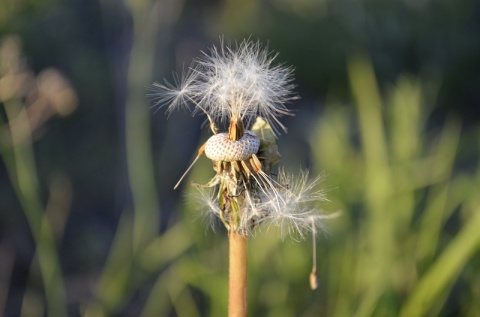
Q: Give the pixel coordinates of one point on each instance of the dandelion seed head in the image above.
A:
(238, 84)
(228, 82)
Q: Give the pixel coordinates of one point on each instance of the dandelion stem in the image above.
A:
(237, 300)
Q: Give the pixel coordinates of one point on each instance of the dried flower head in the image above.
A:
(238, 86)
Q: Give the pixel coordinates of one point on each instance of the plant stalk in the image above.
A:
(23, 176)
(237, 290)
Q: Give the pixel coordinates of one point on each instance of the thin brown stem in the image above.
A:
(237, 291)
(313, 273)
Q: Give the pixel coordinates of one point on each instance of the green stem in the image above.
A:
(23, 173)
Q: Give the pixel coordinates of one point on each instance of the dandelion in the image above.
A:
(241, 87)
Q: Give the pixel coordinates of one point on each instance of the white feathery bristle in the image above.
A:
(232, 82)
(292, 208)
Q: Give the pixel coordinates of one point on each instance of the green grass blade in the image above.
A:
(445, 269)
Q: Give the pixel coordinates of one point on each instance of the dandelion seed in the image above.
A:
(292, 208)
(205, 197)
(231, 83)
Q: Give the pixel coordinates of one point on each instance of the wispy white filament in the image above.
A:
(292, 207)
(232, 82)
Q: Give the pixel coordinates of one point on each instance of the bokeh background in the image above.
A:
(389, 111)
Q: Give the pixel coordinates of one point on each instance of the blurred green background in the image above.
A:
(389, 110)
